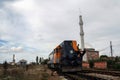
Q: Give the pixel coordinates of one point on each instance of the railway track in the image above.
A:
(81, 76)
(105, 72)
(93, 75)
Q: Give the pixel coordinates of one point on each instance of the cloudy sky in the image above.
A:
(30, 28)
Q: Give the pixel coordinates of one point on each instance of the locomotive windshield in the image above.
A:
(68, 47)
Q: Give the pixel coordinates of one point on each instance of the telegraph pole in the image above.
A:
(111, 50)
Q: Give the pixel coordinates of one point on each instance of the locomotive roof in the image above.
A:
(67, 41)
(61, 44)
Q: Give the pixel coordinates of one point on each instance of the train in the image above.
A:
(66, 57)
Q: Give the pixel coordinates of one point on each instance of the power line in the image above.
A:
(103, 49)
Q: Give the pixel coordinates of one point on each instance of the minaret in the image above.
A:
(82, 36)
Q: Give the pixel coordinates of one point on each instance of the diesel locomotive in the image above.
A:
(66, 57)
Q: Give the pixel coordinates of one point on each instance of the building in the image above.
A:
(92, 54)
(23, 63)
(100, 65)
(85, 65)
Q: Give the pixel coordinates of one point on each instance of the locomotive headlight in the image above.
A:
(71, 51)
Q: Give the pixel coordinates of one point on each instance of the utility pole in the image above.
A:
(111, 50)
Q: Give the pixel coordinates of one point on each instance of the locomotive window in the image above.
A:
(71, 44)
(51, 56)
(56, 50)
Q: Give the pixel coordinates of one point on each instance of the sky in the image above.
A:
(30, 28)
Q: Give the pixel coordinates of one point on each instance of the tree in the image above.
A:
(40, 60)
(110, 64)
(36, 59)
(91, 63)
(117, 59)
(5, 67)
(103, 57)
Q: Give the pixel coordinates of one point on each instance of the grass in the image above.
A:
(18, 73)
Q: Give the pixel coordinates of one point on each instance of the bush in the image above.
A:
(45, 76)
(116, 66)
(91, 63)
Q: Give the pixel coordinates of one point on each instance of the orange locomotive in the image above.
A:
(66, 57)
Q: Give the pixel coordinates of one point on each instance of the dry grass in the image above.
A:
(33, 73)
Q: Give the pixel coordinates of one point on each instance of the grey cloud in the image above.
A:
(2, 2)
(53, 21)
(99, 17)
